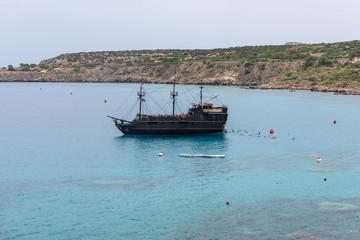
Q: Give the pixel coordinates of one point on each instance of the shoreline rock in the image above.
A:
(41, 77)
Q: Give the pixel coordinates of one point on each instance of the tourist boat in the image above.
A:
(202, 117)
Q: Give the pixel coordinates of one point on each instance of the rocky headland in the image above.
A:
(333, 67)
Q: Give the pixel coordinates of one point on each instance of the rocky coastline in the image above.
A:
(313, 67)
(222, 80)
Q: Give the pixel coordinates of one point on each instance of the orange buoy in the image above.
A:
(271, 131)
(318, 159)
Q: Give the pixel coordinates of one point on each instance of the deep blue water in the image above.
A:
(66, 172)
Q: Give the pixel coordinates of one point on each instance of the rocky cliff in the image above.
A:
(319, 67)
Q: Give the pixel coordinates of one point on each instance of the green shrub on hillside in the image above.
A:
(49, 68)
(25, 67)
(309, 61)
(11, 68)
(324, 61)
(262, 67)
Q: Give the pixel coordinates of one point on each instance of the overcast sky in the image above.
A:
(32, 30)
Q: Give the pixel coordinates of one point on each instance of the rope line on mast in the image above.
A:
(179, 103)
(190, 92)
(154, 101)
(186, 95)
(214, 97)
(125, 100)
(165, 106)
(147, 109)
(130, 111)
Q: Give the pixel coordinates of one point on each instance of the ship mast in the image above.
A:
(201, 88)
(173, 94)
(141, 94)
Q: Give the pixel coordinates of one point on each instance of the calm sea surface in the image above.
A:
(66, 172)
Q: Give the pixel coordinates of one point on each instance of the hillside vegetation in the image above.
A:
(321, 67)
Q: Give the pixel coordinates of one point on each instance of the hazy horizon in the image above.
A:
(38, 29)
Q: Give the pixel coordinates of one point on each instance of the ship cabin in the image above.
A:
(194, 113)
(207, 108)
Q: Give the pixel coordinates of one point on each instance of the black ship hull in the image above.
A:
(170, 127)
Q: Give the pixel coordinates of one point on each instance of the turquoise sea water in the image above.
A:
(66, 172)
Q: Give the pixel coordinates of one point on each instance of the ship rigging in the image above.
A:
(200, 118)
